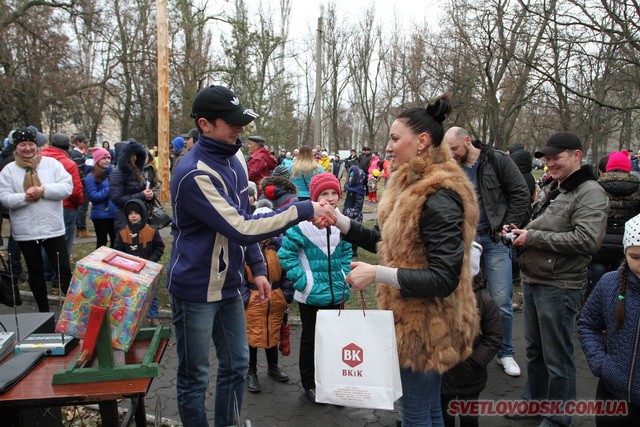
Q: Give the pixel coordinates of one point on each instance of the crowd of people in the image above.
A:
(252, 234)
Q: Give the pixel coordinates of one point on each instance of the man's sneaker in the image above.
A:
(510, 366)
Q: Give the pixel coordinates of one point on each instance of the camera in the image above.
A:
(508, 238)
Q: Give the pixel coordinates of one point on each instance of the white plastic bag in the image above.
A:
(356, 359)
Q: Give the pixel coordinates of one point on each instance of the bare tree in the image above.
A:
(491, 34)
(337, 73)
(366, 56)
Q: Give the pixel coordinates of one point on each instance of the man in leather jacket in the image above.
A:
(568, 226)
(503, 198)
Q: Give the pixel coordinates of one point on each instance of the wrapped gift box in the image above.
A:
(122, 283)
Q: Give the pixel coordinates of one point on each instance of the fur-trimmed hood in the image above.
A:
(619, 183)
(279, 190)
(283, 184)
(130, 149)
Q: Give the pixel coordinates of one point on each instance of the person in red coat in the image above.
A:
(260, 162)
(59, 150)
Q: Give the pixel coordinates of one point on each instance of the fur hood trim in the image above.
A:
(280, 182)
(130, 149)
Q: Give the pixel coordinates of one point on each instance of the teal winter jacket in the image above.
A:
(303, 255)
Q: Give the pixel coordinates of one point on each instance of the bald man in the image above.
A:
(503, 198)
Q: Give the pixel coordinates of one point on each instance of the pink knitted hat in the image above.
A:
(321, 182)
(619, 160)
(99, 154)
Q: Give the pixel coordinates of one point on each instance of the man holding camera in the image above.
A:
(503, 198)
(568, 225)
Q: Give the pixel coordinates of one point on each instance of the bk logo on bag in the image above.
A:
(352, 355)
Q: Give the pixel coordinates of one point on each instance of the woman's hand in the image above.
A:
(148, 194)
(362, 275)
(33, 194)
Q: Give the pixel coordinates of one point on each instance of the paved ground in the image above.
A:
(285, 405)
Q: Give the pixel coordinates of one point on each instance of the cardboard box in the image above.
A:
(122, 283)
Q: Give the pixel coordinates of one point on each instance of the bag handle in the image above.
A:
(154, 201)
(362, 302)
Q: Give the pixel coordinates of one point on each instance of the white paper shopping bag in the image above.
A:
(356, 359)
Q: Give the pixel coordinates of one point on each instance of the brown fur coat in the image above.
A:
(432, 333)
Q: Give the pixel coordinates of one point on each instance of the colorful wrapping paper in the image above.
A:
(126, 295)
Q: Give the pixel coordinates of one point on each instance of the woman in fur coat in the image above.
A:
(425, 281)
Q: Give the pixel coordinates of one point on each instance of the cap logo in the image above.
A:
(235, 100)
(251, 113)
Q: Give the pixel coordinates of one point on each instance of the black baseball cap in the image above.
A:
(193, 133)
(215, 102)
(558, 142)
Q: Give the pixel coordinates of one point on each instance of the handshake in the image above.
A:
(324, 216)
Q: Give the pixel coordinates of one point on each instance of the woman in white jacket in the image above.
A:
(32, 188)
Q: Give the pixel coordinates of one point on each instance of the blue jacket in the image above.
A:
(213, 233)
(613, 356)
(355, 180)
(303, 256)
(98, 192)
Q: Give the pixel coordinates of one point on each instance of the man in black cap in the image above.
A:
(190, 138)
(568, 225)
(214, 237)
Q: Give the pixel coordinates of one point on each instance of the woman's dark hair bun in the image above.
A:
(441, 108)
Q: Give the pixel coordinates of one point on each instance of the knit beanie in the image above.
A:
(41, 138)
(322, 182)
(281, 170)
(132, 206)
(631, 233)
(178, 143)
(253, 189)
(619, 160)
(21, 135)
(99, 154)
